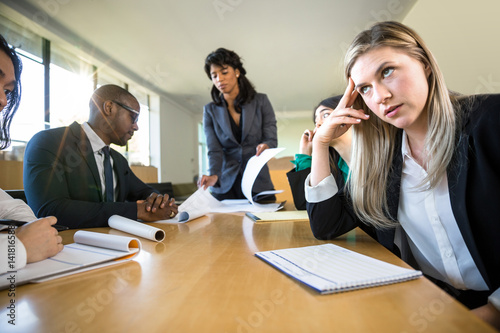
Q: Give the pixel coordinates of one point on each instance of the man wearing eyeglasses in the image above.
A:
(73, 174)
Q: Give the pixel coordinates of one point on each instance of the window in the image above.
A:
(104, 77)
(29, 118)
(202, 151)
(73, 78)
(71, 85)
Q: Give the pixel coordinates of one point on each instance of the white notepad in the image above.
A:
(329, 268)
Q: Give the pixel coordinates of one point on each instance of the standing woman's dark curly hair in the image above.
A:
(223, 57)
(13, 97)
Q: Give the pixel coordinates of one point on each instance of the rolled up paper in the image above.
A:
(113, 242)
(136, 228)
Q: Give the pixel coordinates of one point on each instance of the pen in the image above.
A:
(20, 223)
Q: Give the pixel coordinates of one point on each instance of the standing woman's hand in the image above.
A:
(207, 181)
(260, 148)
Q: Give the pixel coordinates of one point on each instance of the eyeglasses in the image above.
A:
(135, 118)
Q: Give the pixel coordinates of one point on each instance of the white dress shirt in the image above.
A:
(97, 145)
(433, 234)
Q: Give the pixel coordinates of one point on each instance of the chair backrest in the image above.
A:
(17, 194)
(163, 188)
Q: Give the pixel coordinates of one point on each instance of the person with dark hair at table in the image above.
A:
(36, 240)
(73, 174)
(340, 151)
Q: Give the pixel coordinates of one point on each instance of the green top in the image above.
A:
(303, 161)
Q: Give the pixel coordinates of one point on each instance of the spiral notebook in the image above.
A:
(329, 268)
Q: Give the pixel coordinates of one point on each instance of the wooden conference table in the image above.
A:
(204, 278)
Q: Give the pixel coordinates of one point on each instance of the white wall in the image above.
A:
(290, 131)
(174, 142)
(464, 37)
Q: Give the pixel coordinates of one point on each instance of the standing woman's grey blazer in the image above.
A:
(226, 156)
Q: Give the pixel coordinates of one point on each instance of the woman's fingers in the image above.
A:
(347, 99)
(353, 93)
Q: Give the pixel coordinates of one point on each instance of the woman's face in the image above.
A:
(394, 86)
(7, 78)
(320, 114)
(225, 78)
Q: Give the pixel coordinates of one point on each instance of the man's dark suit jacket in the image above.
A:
(61, 179)
(473, 182)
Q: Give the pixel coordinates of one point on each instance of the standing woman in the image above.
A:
(238, 124)
(424, 168)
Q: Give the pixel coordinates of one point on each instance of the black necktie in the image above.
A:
(108, 176)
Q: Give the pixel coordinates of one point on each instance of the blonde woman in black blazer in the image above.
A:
(424, 172)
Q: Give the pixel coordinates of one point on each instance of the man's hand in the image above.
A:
(155, 201)
(156, 207)
(40, 239)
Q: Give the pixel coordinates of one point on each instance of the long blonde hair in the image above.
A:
(374, 140)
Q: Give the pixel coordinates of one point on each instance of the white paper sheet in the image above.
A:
(252, 170)
(202, 202)
(246, 207)
(198, 204)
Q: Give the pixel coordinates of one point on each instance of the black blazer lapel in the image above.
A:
(384, 236)
(85, 148)
(247, 115)
(457, 185)
(222, 114)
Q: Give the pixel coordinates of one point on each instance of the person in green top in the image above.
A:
(340, 152)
